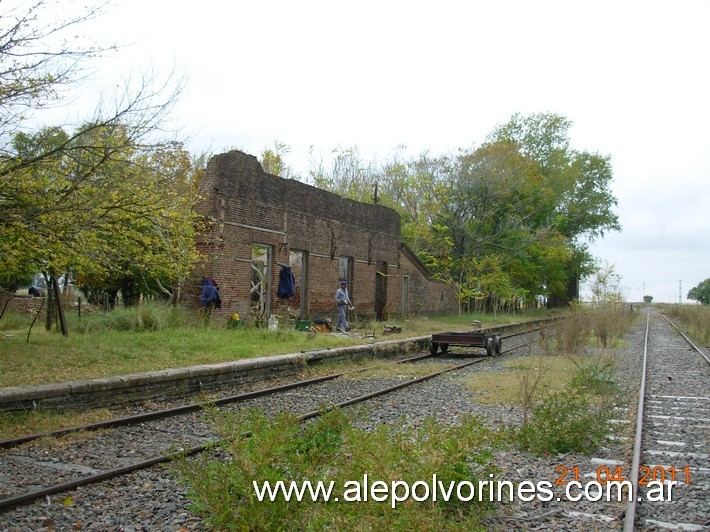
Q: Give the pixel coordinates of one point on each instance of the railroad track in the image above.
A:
(669, 440)
(669, 444)
(117, 447)
(672, 439)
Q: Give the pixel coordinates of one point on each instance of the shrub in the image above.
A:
(564, 422)
(574, 419)
(330, 449)
(596, 377)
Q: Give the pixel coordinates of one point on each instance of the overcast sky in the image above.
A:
(632, 76)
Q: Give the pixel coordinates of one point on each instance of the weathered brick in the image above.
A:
(246, 206)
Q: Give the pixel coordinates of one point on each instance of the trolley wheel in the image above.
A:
(434, 348)
(499, 343)
(444, 348)
(489, 346)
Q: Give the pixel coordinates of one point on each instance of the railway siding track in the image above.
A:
(62, 467)
(151, 499)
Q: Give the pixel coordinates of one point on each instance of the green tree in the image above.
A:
(701, 292)
(156, 248)
(502, 223)
(417, 188)
(273, 160)
(580, 205)
(346, 173)
(495, 214)
(116, 218)
(72, 202)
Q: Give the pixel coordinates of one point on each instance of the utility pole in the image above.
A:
(680, 292)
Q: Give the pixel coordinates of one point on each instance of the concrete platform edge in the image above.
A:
(186, 381)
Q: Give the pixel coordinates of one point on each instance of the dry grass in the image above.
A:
(695, 319)
(16, 424)
(505, 387)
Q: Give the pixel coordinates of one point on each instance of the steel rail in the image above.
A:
(695, 347)
(196, 406)
(630, 511)
(180, 410)
(26, 498)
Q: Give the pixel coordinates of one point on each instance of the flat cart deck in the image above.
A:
(490, 341)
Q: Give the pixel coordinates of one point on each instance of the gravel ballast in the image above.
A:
(156, 500)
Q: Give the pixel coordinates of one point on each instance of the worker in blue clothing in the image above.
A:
(342, 301)
(209, 298)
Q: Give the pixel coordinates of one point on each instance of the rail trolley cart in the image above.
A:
(489, 341)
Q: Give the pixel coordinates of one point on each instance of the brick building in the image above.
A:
(261, 224)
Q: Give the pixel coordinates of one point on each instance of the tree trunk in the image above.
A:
(557, 301)
(50, 302)
(60, 308)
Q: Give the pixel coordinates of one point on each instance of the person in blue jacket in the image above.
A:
(342, 301)
(210, 294)
(287, 283)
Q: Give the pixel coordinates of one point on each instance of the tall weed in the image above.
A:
(575, 419)
(564, 422)
(695, 319)
(146, 317)
(610, 323)
(572, 333)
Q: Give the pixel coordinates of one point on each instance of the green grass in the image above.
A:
(154, 338)
(504, 387)
(330, 449)
(49, 357)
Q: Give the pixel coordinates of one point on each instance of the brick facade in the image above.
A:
(319, 235)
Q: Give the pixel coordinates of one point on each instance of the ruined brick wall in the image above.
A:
(424, 297)
(28, 305)
(246, 207)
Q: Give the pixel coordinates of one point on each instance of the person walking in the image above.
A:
(342, 301)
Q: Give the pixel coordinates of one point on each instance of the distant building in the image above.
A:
(259, 224)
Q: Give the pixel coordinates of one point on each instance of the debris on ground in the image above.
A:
(391, 329)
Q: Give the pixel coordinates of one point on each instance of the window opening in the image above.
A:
(297, 262)
(405, 295)
(260, 275)
(381, 291)
(345, 271)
